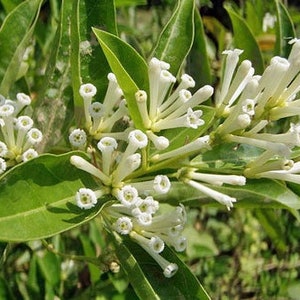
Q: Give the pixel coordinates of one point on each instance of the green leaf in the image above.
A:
(88, 62)
(52, 108)
(198, 65)
(129, 67)
(15, 34)
(245, 40)
(147, 277)
(284, 30)
(9, 5)
(273, 227)
(176, 39)
(37, 198)
(122, 3)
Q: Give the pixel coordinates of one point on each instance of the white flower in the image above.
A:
(2, 165)
(108, 144)
(78, 138)
(29, 154)
(161, 184)
(24, 123)
(22, 100)
(86, 198)
(87, 91)
(159, 142)
(3, 149)
(123, 225)
(144, 219)
(84, 165)
(220, 197)
(127, 195)
(156, 244)
(6, 110)
(268, 21)
(180, 243)
(138, 139)
(34, 136)
(96, 110)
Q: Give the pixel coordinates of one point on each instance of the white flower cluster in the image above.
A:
(18, 137)
(250, 103)
(139, 218)
(100, 117)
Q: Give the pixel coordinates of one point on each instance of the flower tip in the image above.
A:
(170, 270)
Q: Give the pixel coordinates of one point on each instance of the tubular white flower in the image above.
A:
(196, 145)
(2, 165)
(166, 80)
(141, 100)
(84, 165)
(110, 121)
(123, 225)
(200, 96)
(22, 101)
(147, 205)
(126, 167)
(242, 77)
(107, 145)
(179, 243)
(7, 126)
(138, 139)
(127, 195)
(87, 92)
(279, 148)
(144, 219)
(6, 110)
(161, 184)
(170, 105)
(156, 244)
(3, 149)
(33, 137)
(220, 197)
(96, 111)
(29, 154)
(191, 120)
(230, 65)
(85, 198)
(113, 94)
(159, 142)
(2, 100)
(78, 138)
(217, 179)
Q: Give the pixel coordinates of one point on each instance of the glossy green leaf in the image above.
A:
(88, 62)
(37, 198)
(52, 108)
(121, 3)
(129, 67)
(198, 63)
(147, 278)
(15, 34)
(9, 5)
(176, 39)
(285, 30)
(245, 40)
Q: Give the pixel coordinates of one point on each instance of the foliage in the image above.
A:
(66, 228)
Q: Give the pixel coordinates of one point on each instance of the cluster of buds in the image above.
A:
(18, 137)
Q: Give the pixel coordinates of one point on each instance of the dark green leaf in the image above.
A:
(245, 40)
(284, 30)
(176, 39)
(147, 277)
(37, 198)
(88, 62)
(128, 66)
(197, 63)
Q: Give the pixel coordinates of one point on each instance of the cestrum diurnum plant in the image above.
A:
(136, 166)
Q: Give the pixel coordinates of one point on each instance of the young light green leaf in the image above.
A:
(147, 277)
(285, 30)
(176, 39)
(88, 62)
(15, 33)
(244, 40)
(128, 66)
(37, 198)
